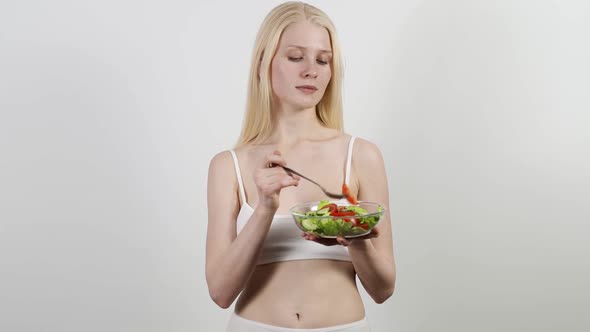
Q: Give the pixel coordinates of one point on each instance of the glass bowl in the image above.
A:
(331, 219)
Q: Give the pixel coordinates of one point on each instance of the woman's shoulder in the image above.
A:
(222, 160)
(366, 151)
(225, 158)
(367, 160)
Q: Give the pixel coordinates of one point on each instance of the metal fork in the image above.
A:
(329, 194)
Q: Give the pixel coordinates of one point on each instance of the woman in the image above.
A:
(288, 281)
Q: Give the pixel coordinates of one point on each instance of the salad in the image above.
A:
(331, 219)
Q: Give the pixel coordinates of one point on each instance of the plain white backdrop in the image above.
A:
(111, 111)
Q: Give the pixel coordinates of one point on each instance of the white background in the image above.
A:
(111, 111)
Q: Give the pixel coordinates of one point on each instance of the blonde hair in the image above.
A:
(257, 124)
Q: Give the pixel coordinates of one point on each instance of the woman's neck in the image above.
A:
(293, 126)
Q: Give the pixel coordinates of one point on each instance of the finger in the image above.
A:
(293, 175)
(314, 238)
(274, 158)
(327, 242)
(281, 172)
(278, 184)
(320, 240)
(277, 175)
(288, 181)
(375, 232)
(274, 184)
(372, 234)
(342, 241)
(274, 174)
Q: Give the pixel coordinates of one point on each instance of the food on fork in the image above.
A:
(349, 197)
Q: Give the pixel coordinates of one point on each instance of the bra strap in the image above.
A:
(349, 160)
(239, 175)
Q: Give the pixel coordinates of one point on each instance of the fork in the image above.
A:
(329, 194)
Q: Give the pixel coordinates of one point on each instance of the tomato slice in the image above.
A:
(345, 189)
(342, 213)
(357, 223)
(331, 207)
(349, 197)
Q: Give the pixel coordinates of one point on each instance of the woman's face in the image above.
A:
(300, 70)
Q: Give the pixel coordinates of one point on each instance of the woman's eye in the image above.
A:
(297, 59)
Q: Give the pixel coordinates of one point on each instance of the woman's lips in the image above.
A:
(307, 89)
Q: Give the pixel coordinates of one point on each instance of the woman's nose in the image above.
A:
(310, 70)
(310, 74)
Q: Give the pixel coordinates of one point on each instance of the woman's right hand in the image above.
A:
(270, 180)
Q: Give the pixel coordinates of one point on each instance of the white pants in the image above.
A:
(239, 324)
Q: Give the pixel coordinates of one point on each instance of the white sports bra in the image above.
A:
(283, 241)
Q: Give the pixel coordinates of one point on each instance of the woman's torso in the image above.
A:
(306, 293)
(302, 294)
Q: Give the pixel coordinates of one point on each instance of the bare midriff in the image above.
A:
(303, 294)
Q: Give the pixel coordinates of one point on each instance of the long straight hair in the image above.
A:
(257, 124)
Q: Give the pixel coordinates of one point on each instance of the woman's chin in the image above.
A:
(305, 104)
(298, 103)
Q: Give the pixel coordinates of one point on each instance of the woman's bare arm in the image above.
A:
(231, 259)
(373, 258)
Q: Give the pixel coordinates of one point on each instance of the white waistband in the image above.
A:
(286, 329)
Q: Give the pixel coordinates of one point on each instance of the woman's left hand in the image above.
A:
(339, 240)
